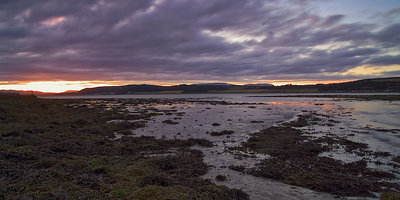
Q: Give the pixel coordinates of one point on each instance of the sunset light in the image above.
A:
(63, 86)
(210, 99)
(304, 82)
(53, 21)
(51, 86)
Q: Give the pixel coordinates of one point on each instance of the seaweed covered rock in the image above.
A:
(295, 160)
(224, 132)
(66, 149)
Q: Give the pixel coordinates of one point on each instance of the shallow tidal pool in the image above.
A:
(374, 123)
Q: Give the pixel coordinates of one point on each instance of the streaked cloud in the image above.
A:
(191, 40)
(53, 21)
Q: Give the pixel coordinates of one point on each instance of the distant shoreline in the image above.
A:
(358, 96)
(361, 97)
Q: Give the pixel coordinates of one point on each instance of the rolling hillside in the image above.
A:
(365, 85)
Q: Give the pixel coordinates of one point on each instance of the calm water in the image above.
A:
(206, 96)
(373, 122)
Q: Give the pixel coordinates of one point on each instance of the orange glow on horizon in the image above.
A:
(63, 86)
(51, 86)
(305, 82)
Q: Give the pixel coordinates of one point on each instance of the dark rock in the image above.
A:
(224, 132)
(220, 178)
(170, 122)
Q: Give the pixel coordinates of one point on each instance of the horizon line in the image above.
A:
(293, 83)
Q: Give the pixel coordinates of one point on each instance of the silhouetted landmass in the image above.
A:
(366, 85)
(135, 89)
(360, 86)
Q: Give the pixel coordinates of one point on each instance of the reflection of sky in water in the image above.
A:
(375, 123)
(377, 114)
(350, 115)
(198, 120)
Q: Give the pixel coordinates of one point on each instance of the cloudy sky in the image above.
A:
(96, 42)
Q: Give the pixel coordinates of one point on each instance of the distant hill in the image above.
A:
(143, 89)
(366, 85)
(258, 85)
(224, 84)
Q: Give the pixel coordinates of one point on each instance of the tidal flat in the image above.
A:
(67, 149)
(199, 147)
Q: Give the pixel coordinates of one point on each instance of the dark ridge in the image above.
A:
(366, 85)
(360, 86)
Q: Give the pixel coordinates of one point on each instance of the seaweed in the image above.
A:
(66, 149)
(224, 132)
(295, 159)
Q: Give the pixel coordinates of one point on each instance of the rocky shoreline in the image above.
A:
(66, 149)
(186, 149)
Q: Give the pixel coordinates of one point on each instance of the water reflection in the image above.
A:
(375, 123)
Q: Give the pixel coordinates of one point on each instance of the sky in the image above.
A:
(54, 45)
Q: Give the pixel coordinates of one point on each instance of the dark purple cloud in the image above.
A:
(170, 40)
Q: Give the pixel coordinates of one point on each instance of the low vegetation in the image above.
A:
(224, 132)
(66, 149)
(295, 160)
